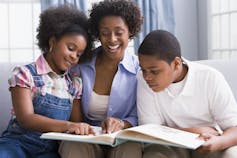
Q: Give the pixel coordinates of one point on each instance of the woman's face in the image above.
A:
(65, 52)
(114, 36)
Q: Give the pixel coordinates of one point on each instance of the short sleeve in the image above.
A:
(75, 74)
(21, 77)
(222, 102)
(78, 86)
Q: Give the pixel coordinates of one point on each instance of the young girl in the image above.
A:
(43, 91)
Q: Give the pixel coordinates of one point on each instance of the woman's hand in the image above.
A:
(80, 128)
(110, 125)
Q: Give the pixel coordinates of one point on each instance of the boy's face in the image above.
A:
(157, 73)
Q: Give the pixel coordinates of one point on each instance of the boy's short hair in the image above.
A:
(161, 44)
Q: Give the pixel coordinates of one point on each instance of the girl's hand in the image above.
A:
(110, 125)
(80, 128)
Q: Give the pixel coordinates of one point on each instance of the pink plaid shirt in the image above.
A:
(54, 84)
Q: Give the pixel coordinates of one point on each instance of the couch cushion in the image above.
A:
(5, 96)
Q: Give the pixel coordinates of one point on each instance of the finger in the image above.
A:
(76, 131)
(70, 130)
(103, 126)
(205, 136)
(82, 129)
(109, 126)
(91, 131)
(86, 129)
(117, 126)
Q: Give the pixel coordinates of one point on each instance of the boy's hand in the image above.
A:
(213, 143)
(80, 128)
(110, 125)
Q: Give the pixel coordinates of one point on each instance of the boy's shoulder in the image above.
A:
(202, 69)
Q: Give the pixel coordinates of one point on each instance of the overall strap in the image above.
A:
(37, 78)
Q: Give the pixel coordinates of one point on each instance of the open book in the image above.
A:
(149, 133)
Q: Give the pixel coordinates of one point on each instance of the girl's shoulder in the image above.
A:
(22, 77)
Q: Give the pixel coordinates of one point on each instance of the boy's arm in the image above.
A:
(202, 129)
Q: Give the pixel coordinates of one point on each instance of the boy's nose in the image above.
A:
(147, 77)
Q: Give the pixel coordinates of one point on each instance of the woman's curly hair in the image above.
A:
(59, 21)
(126, 9)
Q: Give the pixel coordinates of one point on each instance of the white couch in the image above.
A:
(226, 67)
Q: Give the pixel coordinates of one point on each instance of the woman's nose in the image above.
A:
(113, 37)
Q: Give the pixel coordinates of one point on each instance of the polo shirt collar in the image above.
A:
(189, 86)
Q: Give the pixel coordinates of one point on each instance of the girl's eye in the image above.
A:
(70, 48)
(79, 54)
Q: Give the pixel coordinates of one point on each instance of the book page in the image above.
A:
(156, 133)
(98, 138)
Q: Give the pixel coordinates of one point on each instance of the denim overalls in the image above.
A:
(21, 142)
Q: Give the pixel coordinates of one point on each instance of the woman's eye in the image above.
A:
(105, 33)
(119, 33)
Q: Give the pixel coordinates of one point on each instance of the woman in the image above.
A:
(109, 79)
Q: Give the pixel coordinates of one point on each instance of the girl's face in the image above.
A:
(65, 52)
(114, 36)
(158, 74)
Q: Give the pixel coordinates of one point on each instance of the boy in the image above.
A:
(185, 95)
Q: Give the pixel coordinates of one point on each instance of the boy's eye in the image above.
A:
(155, 72)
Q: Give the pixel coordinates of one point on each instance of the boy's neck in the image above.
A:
(183, 73)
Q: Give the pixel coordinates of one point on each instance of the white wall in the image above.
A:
(186, 30)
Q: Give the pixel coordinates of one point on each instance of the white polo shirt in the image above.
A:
(202, 98)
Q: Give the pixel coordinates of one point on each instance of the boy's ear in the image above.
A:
(177, 62)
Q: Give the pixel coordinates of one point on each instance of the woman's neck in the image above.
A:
(104, 61)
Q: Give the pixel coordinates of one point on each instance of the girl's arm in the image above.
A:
(24, 111)
(76, 115)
